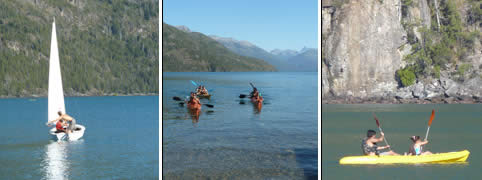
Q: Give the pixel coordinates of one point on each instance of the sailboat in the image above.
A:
(56, 94)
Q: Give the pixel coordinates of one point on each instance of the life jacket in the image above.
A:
(59, 126)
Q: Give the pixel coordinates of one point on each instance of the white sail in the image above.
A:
(56, 93)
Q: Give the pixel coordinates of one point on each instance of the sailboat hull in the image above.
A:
(76, 135)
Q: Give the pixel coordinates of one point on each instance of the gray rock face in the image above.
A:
(418, 91)
(363, 45)
(419, 13)
(404, 93)
(326, 16)
(472, 88)
(362, 48)
(324, 80)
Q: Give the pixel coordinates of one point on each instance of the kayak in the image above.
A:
(256, 101)
(201, 96)
(449, 157)
(193, 106)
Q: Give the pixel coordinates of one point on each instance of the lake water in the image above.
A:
(455, 127)
(121, 139)
(236, 140)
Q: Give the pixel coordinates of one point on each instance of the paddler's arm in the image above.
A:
(424, 142)
(383, 147)
(380, 139)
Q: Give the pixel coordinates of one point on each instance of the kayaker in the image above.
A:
(204, 91)
(254, 93)
(257, 98)
(370, 147)
(416, 147)
(193, 100)
(198, 90)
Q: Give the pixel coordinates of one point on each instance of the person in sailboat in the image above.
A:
(61, 126)
(68, 120)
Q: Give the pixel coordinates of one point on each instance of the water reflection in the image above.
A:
(195, 113)
(55, 161)
(257, 106)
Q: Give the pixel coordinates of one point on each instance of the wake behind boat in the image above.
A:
(56, 104)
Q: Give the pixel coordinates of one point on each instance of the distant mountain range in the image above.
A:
(187, 51)
(284, 60)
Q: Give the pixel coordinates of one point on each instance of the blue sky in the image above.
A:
(269, 24)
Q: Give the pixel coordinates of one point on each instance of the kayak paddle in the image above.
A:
(182, 103)
(244, 95)
(430, 123)
(379, 128)
(194, 83)
(207, 105)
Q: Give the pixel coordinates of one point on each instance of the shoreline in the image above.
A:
(395, 100)
(79, 95)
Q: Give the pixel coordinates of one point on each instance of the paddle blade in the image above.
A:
(194, 83)
(175, 98)
(242, 95)
(209, 105)
(376, 119)
(431, 117)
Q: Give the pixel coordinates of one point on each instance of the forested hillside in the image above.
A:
(193, 51)
(105, 47)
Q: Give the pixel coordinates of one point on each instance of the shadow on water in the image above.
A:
(307, 159)
(209, 112)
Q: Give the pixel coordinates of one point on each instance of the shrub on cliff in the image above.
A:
(406, 76)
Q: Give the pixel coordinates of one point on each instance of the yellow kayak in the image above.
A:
(450, 157)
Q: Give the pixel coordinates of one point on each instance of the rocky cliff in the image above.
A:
(390, 51)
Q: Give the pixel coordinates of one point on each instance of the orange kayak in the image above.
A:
(193, 106)
(254, 100)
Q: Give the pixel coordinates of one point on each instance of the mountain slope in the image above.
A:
(184, 51)
(305, 61)
(284, 54)
(284, 60)
(105, 47)
(245, 48)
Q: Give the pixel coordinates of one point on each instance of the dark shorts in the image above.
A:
(60, 131)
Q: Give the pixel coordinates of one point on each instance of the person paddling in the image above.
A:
(203, 91)
(416, 147)
(257, 98)
(254, 93)
(370, 147)
(193, 101)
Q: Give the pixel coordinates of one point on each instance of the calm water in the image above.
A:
(455, 127)
(236, 141)
(120, 142)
